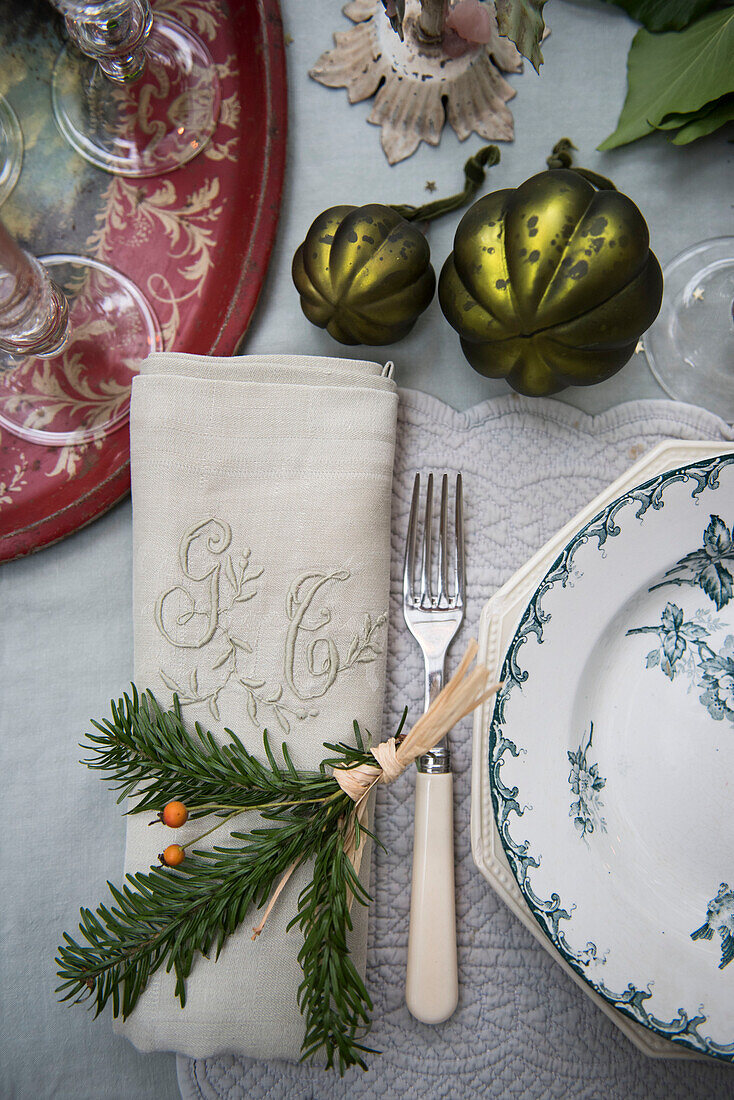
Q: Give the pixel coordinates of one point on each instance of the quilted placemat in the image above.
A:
(523, 1029)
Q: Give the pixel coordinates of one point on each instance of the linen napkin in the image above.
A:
(261, 525)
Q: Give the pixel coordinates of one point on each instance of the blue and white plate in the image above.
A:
(612, 755)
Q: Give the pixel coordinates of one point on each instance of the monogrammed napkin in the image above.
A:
(261, 511)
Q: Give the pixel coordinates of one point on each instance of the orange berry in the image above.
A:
(174, 815)
(173, 855)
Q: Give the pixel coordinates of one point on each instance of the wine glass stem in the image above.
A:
(113, 34)
(34, 314)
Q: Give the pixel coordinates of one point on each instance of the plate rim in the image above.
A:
(682, 1030)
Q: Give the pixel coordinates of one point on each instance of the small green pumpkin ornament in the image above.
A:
(551, 284)
(364, 272)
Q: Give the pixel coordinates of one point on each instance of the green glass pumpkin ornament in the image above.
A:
(551, 284)
(364, 272)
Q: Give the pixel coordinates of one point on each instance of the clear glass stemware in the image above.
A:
(34, 315)
(690, 346)
(73, 332)
(11, 149)
(142, 97)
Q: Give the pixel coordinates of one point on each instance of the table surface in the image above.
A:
(66, 640)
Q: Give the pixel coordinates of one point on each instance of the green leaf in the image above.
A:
(679, 72)
(700, 125)
(720, 107)
(664, 15)
(675, 120)
(522, 22)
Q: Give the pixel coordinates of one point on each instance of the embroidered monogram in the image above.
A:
(322, 660)
(200, 613)
(216, 537)
(219, 585)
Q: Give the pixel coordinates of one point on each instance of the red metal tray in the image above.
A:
(196, 240)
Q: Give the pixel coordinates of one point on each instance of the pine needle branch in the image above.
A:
(332, 996)
(148, 753)
(166, 917)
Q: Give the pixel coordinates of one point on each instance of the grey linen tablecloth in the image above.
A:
(522, 1028)
(66, 637)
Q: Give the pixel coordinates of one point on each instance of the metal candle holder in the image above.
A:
(414, 77)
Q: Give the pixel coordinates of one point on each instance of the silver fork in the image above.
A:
(433, 616)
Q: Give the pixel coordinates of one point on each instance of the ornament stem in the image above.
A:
(474, 174)
(562, 157)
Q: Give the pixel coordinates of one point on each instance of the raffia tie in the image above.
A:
(467, 689)
(357, 781)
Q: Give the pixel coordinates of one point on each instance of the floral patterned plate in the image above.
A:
(612, 755)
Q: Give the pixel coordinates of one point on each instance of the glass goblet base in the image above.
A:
(11, 149)
(690, 346)
(82, 393)
(148, 127)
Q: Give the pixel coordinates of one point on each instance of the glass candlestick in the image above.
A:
(11, 149)
(73, 332)
(142, 97)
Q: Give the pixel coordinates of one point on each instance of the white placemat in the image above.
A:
(522, 1028)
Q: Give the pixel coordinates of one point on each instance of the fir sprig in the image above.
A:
(146, 752)
(167, 917)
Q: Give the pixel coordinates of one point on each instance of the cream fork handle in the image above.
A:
(432, 984)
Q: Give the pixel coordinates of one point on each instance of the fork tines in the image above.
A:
(432, 595)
